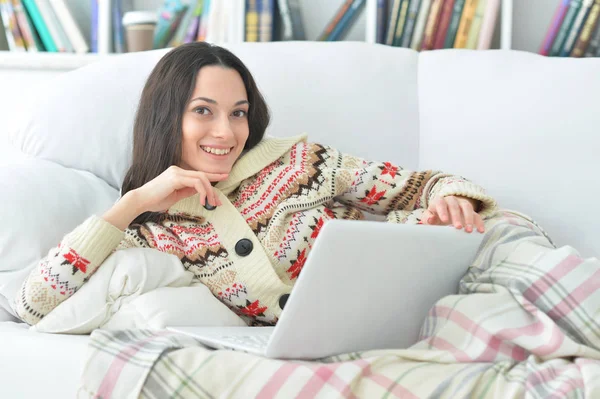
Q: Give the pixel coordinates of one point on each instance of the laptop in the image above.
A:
(365, 285)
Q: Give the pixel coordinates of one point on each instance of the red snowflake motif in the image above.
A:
(297, 265)
(76, 260)
(389, 169)
(317, 228)
(253, 309)
(372, 197)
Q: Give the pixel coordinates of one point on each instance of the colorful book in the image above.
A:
(192, 30)
(297, 22)
(25, 27)
(13, 34)
(266, 17)
(417, 39)
(575, 31)
(94, 26)
(488, 24)
(399, 29)
(475, 29)
(589, 27)
(565, 27)
(252, 20)
(594, 45)
(459, 5)
(66, 20)
(40, 25)
(411, 21)
(466, 20)
(117, 27)
(169, 17)
(432, 24)
(557, 20)
(344, 25)
(445, 17)
(393, 21)
(207, 8)
(182, 29)
(335, 20)
(381, 21)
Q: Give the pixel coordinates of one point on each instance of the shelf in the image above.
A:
(46, 61)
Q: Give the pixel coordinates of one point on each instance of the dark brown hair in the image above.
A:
(157, 131)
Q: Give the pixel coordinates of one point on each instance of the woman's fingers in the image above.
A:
(479, 223)
(468, 214)
(441, 209)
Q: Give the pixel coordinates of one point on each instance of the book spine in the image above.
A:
(52, 24)
(94, 26)
(411, 21)
(417, 39)
(252, 20)
(287, 31)
(565, 27)
(104, 27)
(118, 32)
(398, 31)
(25, 27)
(335, 20)
(445, 17)
(180, 34)
(169, 18)
(192, 30)
(297, 22)
(488, 24)
(203, 26)
(70, 26)
(40, 25)
(432, 25)
(459, 5)
(475, 29)
(381, 21)
(557, 20)
(15, 39)
(465, 23)
(394, 15)
(589, 27)
(265, 21)
(347, 20)
(594, 42)
(576, 28)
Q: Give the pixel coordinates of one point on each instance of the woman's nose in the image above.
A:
(223, 128)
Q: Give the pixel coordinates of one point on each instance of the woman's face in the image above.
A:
(215, 121)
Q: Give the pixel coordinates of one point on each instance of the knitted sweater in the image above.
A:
(249, 251)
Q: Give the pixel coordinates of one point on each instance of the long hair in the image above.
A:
(157, 130)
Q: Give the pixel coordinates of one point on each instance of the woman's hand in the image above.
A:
(455, 210)
(175, 184)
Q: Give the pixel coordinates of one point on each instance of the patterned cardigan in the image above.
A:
(250, 251)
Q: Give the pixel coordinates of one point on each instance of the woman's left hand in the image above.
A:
(455, 210)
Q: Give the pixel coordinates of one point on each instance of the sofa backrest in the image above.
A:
(526, 127)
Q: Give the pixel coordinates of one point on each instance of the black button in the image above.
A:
(283, 300)
(243, 247)
(208, 206)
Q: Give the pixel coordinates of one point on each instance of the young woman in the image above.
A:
(240, 211)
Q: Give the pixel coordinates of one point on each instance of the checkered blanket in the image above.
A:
(522, 325)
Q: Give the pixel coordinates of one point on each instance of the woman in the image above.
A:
(240, 211)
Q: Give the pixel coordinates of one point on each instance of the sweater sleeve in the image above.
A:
(383, 188)
(68, 266)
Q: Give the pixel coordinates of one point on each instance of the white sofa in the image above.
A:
(523, 126)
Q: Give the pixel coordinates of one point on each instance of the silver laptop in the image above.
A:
(365, 285)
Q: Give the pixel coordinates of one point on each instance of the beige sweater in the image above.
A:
(250, 251)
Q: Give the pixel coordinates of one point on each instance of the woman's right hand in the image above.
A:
(162, 192)
(175, 184)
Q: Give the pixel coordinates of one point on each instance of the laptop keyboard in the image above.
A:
(254, 341)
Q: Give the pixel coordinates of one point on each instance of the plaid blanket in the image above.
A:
(522, 325)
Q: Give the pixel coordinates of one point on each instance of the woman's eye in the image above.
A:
(202, 110)
(239, 113)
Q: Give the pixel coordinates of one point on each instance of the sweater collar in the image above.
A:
(264, 153)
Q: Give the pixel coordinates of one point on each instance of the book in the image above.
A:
(53, 26)
(34, 32)
(576, 28)
(454, 23)
(40, 25)
(252, 20)
(465, 23)
(381, 21)
(557, 19)
(399, 29)
(104, 26)
(594, 44)
(432, 25)
(393, 20)
(205, 18)
(565, 27)
(417, 39)
(589, 27)
(445, 17)
(266, 17)
(182, 29)
(335, 20)
(342, 27)
(475, 29)
(192, 30)
(94, 26)
(68, 23)
(297, 22)
(25, 27)
(488, 24)
(117, 27)
(169, 17)
(411, 21)
(13, 34)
